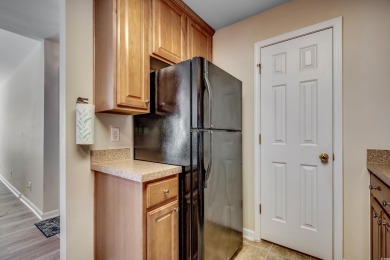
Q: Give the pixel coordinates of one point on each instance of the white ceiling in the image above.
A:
(19, 19)
(37, 19)
(14, 49)
(221, 13)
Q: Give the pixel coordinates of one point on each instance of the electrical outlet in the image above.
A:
(29, 185)
(115, 133)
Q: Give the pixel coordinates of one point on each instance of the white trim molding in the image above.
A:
(248, 234)
(37, 211)
(50, 214)
(23, 199)
(336, 25)
(62, 134)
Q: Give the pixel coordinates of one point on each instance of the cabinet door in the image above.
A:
(132, 57)
(375, 220)
(169, 26)
(385, 236)
(163, 233)
(199, 42)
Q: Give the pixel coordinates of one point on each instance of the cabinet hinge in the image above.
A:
(259, 67)
(260, 209)
(333, 157)
(260, 139)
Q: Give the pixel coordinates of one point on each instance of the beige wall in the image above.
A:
(79, 179)
(77, 184)
(366, 93)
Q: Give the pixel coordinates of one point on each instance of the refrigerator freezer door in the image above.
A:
(221, 222)
(218, 91)
(164, 135)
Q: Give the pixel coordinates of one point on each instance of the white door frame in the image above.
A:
(336, 24)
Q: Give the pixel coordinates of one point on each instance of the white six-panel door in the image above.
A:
(296, 127)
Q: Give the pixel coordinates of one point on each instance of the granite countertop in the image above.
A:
(378, 163)
(117, 162)
(135, 170)
(382, 171)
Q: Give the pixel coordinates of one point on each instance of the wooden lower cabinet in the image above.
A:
(385, 223)
(162, 232)
(126, 227)
(375, 229)
(379, 220)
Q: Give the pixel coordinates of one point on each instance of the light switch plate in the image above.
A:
(115, 133)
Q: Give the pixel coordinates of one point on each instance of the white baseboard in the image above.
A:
(248, 234)
(28, 203)
(50, 214)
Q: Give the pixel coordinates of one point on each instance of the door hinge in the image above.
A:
(260, 139)
(260, 209)
(333, 157)
(259, 66)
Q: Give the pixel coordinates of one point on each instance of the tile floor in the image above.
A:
(264, 250)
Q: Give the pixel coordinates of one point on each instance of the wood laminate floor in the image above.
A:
(19, 238)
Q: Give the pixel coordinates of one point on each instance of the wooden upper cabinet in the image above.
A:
(121, 70)
(132, 49)
(199, 41)
(168, 33)
(128, 34)
(178, 33)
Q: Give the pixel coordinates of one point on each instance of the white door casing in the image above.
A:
(296, 120)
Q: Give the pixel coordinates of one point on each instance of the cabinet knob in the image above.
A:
(379, 221)
(384, 203)
(374, 215)
(374, 188)
(147, 101)
(177, 209)
(166, 191)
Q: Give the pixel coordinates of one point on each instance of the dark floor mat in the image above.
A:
(49, 227)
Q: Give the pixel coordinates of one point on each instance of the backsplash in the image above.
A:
(378, 156)
(98, 156)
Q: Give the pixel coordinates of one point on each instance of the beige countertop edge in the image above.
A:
(382, 171)
(141, 172)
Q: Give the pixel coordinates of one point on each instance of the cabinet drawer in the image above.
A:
(380, 192)
(160, 191)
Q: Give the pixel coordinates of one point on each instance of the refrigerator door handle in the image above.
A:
(208, 87)
(208, 171)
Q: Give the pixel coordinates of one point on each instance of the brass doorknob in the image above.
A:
(324, 157)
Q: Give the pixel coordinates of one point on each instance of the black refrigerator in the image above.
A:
(195, 121)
